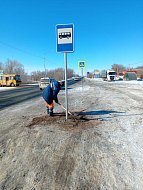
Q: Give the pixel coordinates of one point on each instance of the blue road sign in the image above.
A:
(81, 64)
(65, 37)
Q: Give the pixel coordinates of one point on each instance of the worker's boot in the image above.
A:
(47, 110)
(51, 112)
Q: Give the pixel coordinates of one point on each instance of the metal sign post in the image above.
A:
(82, 77)
(81, 65)
(66, 88)
(65, 39)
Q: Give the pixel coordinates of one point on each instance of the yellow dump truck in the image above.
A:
(10, 80)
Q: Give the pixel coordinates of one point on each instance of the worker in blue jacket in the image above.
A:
(49, 94)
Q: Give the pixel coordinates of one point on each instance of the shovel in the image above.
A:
(65, 109)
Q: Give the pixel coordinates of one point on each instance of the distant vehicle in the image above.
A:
(65, 35)
(108, 75)
(103, 74)
(76, 78)
(139, 79)
(111, 75)
(10, 80)
(44, 82)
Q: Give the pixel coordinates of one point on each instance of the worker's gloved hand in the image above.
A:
(56, 100)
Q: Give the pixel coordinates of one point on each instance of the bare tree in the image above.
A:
(118, 67)
(70, 73)
(1, 67)
(14, 67)
(57, 74)
(36, 75)
(139, 67)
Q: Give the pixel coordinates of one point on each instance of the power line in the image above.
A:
(23, 51)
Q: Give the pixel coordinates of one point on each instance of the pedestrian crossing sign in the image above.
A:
(81, 64)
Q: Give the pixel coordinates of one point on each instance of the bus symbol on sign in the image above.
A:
(65, 35)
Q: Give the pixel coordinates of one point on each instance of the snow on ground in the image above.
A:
(130, 82)
(79, 89)
(118, 81)
(104, 153)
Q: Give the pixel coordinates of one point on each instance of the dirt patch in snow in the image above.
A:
(74, 122)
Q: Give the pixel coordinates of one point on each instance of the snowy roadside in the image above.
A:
(102, 151)
(4, 88)
(118, 81)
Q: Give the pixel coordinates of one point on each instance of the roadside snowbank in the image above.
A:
(4, 88)
(7, 88)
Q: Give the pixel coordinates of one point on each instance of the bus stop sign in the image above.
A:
(65, 37)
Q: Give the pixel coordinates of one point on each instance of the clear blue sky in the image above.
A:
(106, 32)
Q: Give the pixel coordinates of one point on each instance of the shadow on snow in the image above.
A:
(100, 112)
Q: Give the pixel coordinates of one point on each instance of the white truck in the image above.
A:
(108, 75)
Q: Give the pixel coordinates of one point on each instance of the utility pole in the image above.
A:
(129, 67)
(45, 67)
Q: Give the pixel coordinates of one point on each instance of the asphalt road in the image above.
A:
(17, 95)
(21, 94)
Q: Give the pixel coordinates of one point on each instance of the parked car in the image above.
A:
(139, 79)
(76, 78)
(44, 82)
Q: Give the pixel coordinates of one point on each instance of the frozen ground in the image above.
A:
(99, 148)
